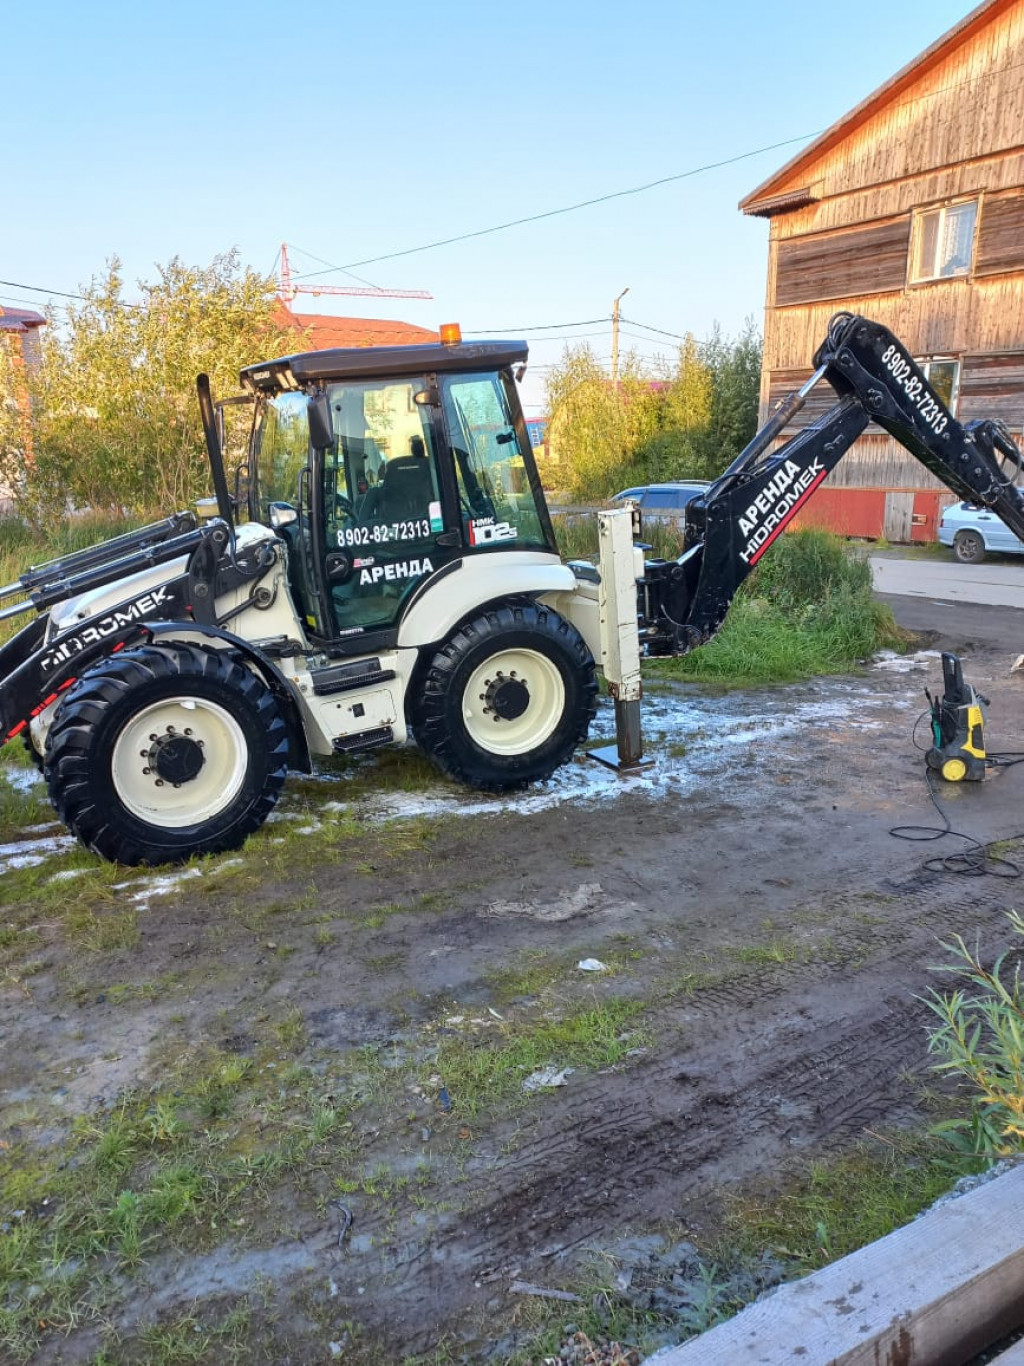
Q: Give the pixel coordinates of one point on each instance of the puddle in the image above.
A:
(158, 886)
(22, 779)
(690, 738)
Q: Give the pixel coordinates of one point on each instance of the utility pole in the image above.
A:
(615, 338)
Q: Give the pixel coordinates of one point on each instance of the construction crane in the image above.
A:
(287, 288)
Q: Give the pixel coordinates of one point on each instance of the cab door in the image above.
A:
(382, 515)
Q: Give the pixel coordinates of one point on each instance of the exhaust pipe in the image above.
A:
(213, 450)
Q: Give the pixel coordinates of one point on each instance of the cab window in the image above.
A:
(496, 501)
(283, 451)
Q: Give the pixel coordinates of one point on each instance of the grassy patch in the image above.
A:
(777, 951)
(479, 1072)
(178, 1166)
(23, 801)
(839, 1204)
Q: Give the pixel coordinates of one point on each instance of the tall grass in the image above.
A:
(21, 547)
(808, 608)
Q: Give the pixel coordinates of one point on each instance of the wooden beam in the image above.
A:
(933, 1293)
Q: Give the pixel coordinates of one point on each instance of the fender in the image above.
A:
(27, 697)
(464, 587)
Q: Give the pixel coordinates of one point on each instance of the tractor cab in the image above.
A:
(381, 468)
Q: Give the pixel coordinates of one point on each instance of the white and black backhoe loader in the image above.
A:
(392, 573)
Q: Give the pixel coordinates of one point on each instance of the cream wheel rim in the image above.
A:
(513, 702)
(179, 762)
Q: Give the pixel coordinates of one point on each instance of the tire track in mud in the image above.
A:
(746, 1073)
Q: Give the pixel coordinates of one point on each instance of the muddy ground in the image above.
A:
(751, 907)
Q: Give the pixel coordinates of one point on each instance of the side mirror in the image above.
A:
(282, 514)
(321, 427)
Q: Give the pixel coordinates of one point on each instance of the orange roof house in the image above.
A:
(323, 332)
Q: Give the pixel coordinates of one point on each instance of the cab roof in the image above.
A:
(379, 362)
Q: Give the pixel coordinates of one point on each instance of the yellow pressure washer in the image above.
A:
(958, 727)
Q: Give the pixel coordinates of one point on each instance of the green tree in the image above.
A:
(735, 390)
(587, 428)
(115, 419)
(676, 448)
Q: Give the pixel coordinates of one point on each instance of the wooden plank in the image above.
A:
(869, 260)
(1001, 236)
(934, 1293)
(993, 386)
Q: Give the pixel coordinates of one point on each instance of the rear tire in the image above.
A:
(166, 752)
(507, 700)
(968, 547)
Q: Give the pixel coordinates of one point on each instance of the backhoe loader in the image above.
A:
(385, 570)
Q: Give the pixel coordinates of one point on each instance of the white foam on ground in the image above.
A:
(689, 737)
(28, 853)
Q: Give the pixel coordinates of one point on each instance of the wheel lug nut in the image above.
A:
(160, 782)
(147, 769)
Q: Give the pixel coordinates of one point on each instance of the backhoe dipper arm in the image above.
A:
(684, 602)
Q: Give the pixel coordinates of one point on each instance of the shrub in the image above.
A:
(980, 1038)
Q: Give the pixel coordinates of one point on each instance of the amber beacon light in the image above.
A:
(451, 334)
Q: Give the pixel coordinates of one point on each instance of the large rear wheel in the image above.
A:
(164, 752)
(507, 699)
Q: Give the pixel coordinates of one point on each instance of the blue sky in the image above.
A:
(355, 131)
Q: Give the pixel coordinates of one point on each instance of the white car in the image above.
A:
(972, 531)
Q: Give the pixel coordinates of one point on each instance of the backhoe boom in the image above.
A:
(684, 602)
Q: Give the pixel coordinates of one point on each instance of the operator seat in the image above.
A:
(404, 494)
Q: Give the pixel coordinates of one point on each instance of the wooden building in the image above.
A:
(910, 211)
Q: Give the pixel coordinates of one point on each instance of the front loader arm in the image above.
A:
(684, 602)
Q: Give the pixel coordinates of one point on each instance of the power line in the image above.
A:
(660, 330)
(63, 294)
(568, 208)
(540, 327)
(651, 185)
(639, 337)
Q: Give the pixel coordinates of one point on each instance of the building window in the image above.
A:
(944, 377)
(944, 242)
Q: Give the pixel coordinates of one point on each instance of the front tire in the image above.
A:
(507, 700)
(968, 547)
(162, 753)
